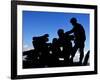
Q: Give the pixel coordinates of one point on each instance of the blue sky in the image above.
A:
(40, 23)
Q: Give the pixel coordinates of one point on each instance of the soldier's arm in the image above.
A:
(69, 32)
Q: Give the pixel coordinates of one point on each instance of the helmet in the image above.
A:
(73, 20)
(60, 31)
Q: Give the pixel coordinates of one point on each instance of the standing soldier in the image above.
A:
(80, 37)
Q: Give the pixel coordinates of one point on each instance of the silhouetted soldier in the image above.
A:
(79, 34)
(61, 40)
(41, 47)
(69, 48)
(65, 44)
(55, 52)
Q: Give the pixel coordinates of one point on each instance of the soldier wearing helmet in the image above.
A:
(80, 37)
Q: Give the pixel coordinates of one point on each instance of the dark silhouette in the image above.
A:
(31, 59)
(41, 46)
(86, 58)
(79, 34)
(54, 52)
(60, 51)
(66, 45)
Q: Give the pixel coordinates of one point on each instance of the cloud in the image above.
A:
(27, 47)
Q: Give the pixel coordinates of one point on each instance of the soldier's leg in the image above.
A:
(81, 54)
(73, 51)
(81, 50)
